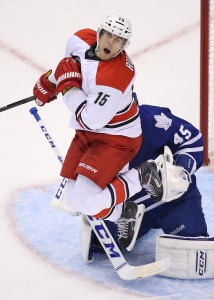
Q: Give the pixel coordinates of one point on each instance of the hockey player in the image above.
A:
(180, 213)
(96, 79)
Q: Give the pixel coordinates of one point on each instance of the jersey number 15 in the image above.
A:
(101, 99)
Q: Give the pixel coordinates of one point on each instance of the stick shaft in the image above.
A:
(17, 103)
(36, 115)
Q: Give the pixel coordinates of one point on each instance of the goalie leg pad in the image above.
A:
(190, 258)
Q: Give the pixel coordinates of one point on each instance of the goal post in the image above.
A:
(207, 78)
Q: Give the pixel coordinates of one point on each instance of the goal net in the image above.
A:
(207, 78)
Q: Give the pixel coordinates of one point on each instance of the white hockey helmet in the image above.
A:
(119, 26)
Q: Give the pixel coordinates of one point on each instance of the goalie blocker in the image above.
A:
(190, 258)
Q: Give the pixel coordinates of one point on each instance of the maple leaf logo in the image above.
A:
(162, 121)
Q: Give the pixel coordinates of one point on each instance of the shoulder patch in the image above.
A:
(88, 35)
(116, 73)
(163, 121)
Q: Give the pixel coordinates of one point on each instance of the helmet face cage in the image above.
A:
(119, 26)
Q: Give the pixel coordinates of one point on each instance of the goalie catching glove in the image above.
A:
(175, 179)
(161, 179)
(68, 75)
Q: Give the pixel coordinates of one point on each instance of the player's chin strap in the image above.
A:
(175, 179)
(123, 269)
(190, 257)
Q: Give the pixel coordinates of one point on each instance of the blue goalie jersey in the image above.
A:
(159, 128)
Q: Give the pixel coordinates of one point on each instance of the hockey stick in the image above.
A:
(14, 104)
(123, 269)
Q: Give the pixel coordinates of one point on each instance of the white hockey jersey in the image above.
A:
(105, 104)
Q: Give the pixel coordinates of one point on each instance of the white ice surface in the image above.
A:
(39, 250)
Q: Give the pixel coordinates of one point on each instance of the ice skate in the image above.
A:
(150, 179)
(129, 224)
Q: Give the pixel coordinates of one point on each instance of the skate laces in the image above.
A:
(149, 187)
(123, 227)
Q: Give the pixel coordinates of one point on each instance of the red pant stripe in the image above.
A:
(120, 189)
(103, 214)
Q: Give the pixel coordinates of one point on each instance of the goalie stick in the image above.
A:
(123, 269)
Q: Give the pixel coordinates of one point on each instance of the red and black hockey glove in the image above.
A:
(68, 75)
(44, 90)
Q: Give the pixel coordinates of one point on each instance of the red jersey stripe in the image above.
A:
(131, 111)
(109, 73)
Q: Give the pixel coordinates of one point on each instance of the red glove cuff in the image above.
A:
(68, 75)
